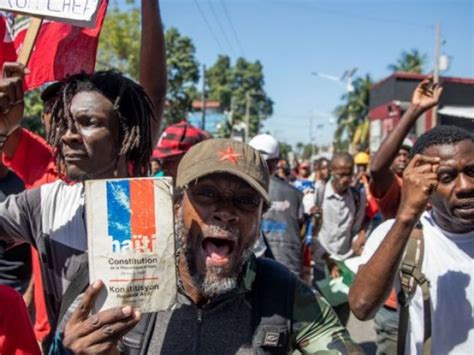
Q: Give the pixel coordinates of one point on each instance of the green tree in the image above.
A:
(412, 62)
(119, 48)
(219, 79)
(353, 113)
(119, 44)
(308, 150)
(240, 88)
(285, 148)
(183, 74)
(33, 110)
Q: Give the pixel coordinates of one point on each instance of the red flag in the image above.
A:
(60, 48)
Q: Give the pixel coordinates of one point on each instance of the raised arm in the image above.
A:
(375, 279)
(24, 152)
(426, 95)
(153, 75)
(12, 105)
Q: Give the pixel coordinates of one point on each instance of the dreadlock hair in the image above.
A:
(440, 135)
(50, 95)
(133, 107)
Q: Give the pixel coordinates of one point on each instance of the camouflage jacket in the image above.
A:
(242, 322)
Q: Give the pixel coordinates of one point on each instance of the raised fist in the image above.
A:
(420, 180)
(11, 97)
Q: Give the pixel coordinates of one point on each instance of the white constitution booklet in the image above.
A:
(130, 229)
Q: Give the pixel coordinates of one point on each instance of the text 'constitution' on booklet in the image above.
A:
(130, 229)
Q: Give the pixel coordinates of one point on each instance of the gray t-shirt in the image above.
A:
(52, 219)
(281, 224)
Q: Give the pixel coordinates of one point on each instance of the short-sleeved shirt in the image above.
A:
(281, 224)
(341, 220)
(16, 331)
(34, 163)
(388, 204)
(51, 218)
(448, 265)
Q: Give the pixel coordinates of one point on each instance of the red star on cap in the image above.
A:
(229, 155)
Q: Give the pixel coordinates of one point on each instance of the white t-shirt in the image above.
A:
(448, 264)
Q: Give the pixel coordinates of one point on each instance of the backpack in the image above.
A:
(272, 301)
(411, 277)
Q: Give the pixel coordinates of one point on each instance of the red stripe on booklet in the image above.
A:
(142, 207)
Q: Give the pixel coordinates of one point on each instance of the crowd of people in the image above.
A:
(272, 256)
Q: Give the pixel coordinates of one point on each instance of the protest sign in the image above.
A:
(77, 12)
(60, 49)
(130, 230)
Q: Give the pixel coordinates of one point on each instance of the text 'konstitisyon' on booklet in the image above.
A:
(130, 230)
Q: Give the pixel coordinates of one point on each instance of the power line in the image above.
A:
(213, 34)
(347, 14)
(221, 27)
(232, 27)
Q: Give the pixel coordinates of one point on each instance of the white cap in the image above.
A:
(267, 145)
(408, 142)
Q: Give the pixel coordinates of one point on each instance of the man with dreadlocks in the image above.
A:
(100, 128)
(28, 155)
(31, 157)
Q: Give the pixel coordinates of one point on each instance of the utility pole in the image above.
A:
(437, 55)
(203, 99)
(248, 97)
(232, 111)
(311, 138)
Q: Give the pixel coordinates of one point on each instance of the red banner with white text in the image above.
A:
(60, 49)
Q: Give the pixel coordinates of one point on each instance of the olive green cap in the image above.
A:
(225, 156)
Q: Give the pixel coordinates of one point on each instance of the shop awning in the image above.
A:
(458, 111)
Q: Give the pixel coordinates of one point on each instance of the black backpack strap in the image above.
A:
(137, 341)
(355, 194)
(3, 249)
(272, 305)
(411, 277)
(52, 344)
(268, 251)
(319, 196)
(75, 288)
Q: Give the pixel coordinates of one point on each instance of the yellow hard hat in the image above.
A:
(361, 158)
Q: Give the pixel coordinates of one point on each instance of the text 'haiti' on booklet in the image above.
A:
(130, 232)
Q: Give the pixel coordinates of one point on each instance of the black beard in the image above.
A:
(217, 280)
